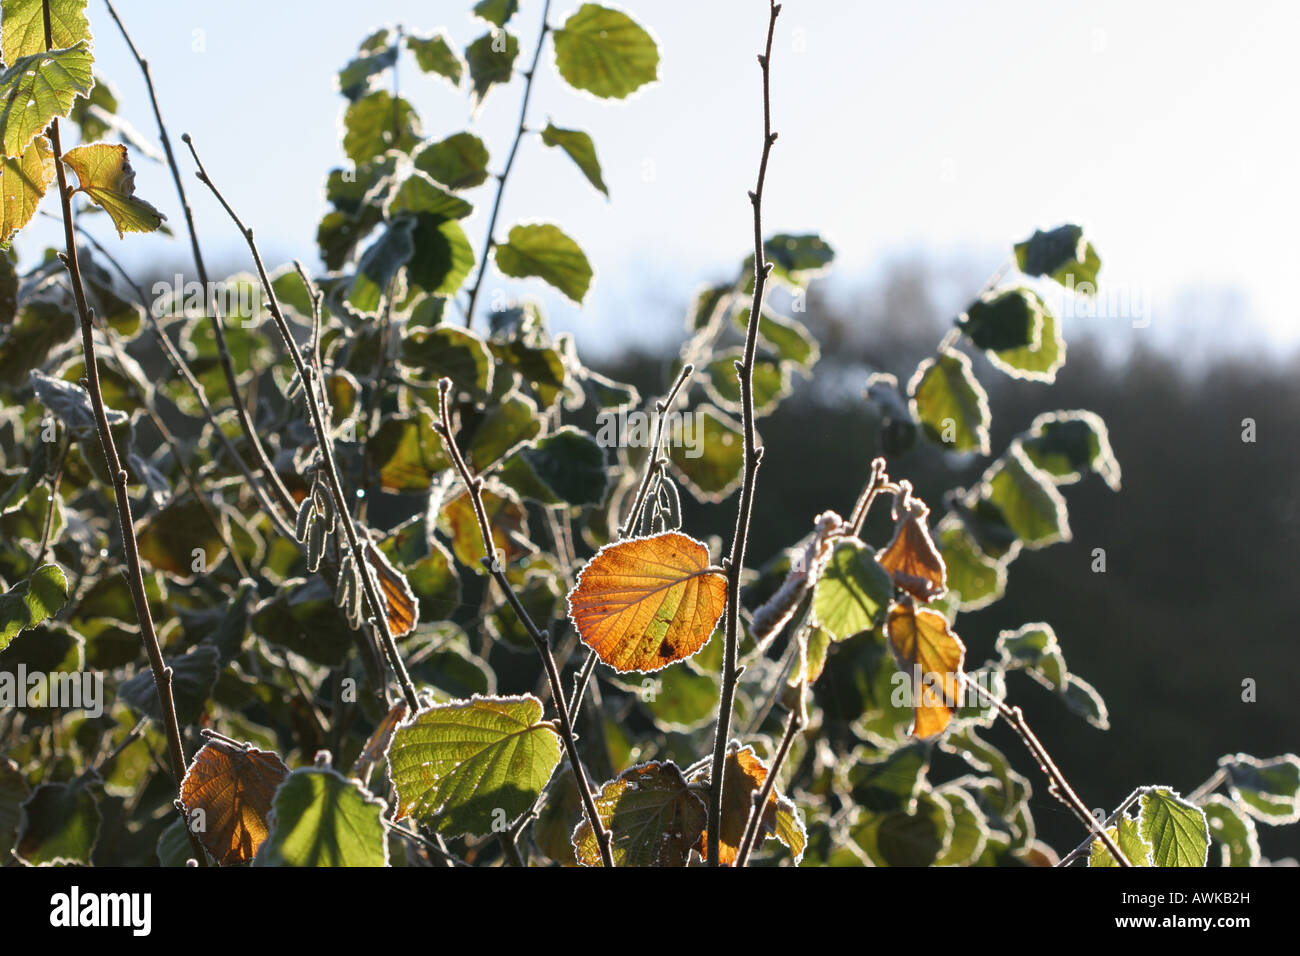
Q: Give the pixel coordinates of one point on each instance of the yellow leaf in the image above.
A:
(743, 777)
(931, 654)
(23, 182)
(107, 177)
(643, 603)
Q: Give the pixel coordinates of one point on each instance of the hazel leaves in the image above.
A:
(644, 603)
(227, 793)
(107, 178)
(931, 654)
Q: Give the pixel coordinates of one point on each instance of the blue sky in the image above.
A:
(1165, 128)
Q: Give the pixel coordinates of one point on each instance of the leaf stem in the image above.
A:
(488, 241)
(162, 674)
(474, 488)
(753, 455)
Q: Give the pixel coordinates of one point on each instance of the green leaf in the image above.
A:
(1068, 445)
(1135, 849)
(1269, 790)
(70, 404)
(462, 766)
(421, 196)
(174, 845)
(496, 12)
(446, 351)
(796, 260)
(1062, 253)
(652, 816)
(1175, 829)
(458, 162)
(852, 592)
(786, 337)
(435, 55)
(491, 60)
(59, 825)
(1004, 320)
(380, 264)
(303, 618)
(377, 123)
(505, 426)
(571, 466)
(707, 305)
(977, 579)
(901, 838)
(23, 182)
(706, 450)
(356, 78)
(1232, 831)
(684, 699)
(39, 87)
(970, 828)
(32, 601)
(407, 453)
(23, 31)
(1026, 499)
(320, 818)
(605, 52)
(443, 256)
(891, 781)
(950, 404)
(13, 793)
(771, 382)
(1034, 648)
(580, 149)
(1081, 698)
(544, 251)
(1040, 362)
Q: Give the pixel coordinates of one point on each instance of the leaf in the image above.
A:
(643, 603)
(1082, 698)
(1034, 647)
(180, 539)
(605, 52)
(380, 264)
(707, 452)
(1026, 499)
(1175, 829)
(435, 55)
(571, 465)
(743, 776)
(580, 149)
(39, 87)
(356, 78)
(458, 162)
(931, 655)
(771, 382)
(1135, 849)
(507, 519)
(904, 838)
(401, 608)
(544, 251)
(377, 746)
(70, 403)
(970, 829)
(1068, 445)
(852, 591)
(976, 579)
(652, 816)
(911, 557)
(491, 60)
(420, 196)
(796, 260)
(1043, 360)
(32, 601)
(193, 676)
(950, 404)
(58, 825)
(377, 123)
(496, 12)
(23, 31)
(320, 818)
(683, 701)
(407, 453)
(1232, 831)
(1004, 320)
(23, 182)
(1062, 253)
(233, 787)
(304, 618)
(1269, 790)
(789, 339)
(460, 767)
(446, 351)
(13, 793)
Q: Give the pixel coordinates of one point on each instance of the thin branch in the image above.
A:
(655, 461)
(1058, 786)
(313, 402)
(54, 479)
(162, 674)
(488, 240)
(474, 488)
(1086, 845)
(218, 332)
(792, 727)
(753, 455)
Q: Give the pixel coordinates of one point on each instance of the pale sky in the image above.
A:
(1167, 129)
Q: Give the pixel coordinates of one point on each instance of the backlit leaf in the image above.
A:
(38, 87)
(605, 52)
(377, 123)
(23, 30)
(31, 601)
(707, 453)
(320, 818)
(544, 251)
(491, 60)
(911, 557)
(852, 591)
(976, 578)
(435, 55)
(1026, 499)
(458, 162)
(1003, 320)
(580, 149)
(743, 777)
(233, 787)
(1232, 831)
(1135, 849)
(23, 182)
(1040, 362)
(1068, 445)
(643, 603)
(950, 404)
(453, 766)
(59, 824)
(1062, 253)
(931, 655)
(652, 816)
(1269, 790)
(1175, 829)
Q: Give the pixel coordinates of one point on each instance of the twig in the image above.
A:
(474, 488)
(1111, 820)
(792, 728)
(218, 333)
(162, 674)
(753, 455)
(655, 462)
(54, 480)
(308, 378)
(488, 241)
(1058, 786)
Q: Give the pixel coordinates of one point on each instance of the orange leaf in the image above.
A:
(926, 648)
(743, 777)
(377, 746)
(643, 603)
(911, 557)
(233, 787)
(400, 605)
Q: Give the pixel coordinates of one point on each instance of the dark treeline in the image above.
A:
(1200, 589)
